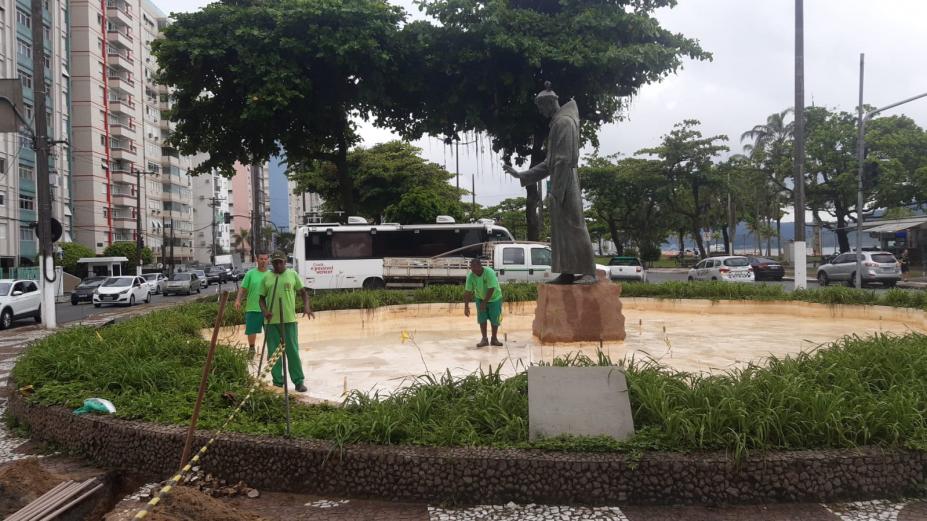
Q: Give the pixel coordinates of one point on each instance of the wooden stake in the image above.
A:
(188, 445)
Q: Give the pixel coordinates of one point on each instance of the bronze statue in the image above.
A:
(569, 238)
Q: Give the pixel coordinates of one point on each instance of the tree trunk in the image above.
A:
(533, 195)
(345, 181)
(843, 236)
(768, 239)
(779, 235)
(682, 243)
(699, 242)
(727, 241)
(616, 238)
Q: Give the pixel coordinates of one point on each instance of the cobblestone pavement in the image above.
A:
(314, 508)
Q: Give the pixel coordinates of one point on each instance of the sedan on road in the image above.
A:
(627, 268)
(766, 269)
(201, 274)
(84, 291)
(19, 299)
(878, 266)
(156, 282)
(183, 283)
(125, 290)
(216, 275)
(726, 269)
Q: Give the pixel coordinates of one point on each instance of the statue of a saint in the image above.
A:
(569, 238)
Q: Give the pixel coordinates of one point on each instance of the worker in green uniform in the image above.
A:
(251, 291)
(483, 284)
(278, 303)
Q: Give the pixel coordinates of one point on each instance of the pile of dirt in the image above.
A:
(187, 504)
(22, 482)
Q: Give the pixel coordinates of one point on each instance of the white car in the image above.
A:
(19, 299)
(727, 269)
(125, 290)
(627, 268)
(156, 282)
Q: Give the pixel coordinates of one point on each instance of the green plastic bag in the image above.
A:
(98, 405)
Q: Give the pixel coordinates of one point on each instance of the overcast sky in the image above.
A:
(750, 77)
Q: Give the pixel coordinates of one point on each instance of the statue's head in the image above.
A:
(547, 101)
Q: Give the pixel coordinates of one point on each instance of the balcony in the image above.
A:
(122, 82)
(122, 129)
(121, 199)
(121, 59)
(123, 216)
(124, 151)
(122, 104)
(122, 36)
(119, 11)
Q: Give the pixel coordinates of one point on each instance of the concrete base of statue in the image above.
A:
(579, 313)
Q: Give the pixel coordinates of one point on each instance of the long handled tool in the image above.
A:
(286, 369)
(264, 342)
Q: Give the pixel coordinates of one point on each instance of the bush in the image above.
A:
(71, 253)
(858, 391)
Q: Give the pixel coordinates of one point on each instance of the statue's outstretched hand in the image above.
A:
(511, 171)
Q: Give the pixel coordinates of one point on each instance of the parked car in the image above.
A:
(216, 275)
(185, 283)
(19, 299)
(238, 274)
(878, 266)
(156, 282)
(627, 268)
(125, 290)
(727, 269)
(201, 274)
(766, 269)
(84, 290)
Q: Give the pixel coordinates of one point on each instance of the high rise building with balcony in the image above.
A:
(18, 200)
(119, 133)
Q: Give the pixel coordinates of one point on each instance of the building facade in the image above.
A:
(18, 198)
(305, 207)
(119, 132)
(241, 203)
(211, 196)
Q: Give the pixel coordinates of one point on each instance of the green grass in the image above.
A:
(859, 391)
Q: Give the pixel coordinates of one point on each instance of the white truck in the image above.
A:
(512, 262)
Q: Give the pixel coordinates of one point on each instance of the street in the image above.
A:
(656, 276)
(67, 313)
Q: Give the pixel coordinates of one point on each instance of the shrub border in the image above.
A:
(486, 475)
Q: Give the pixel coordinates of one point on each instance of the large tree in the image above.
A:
(382, 176)
(479, 68)
(251, 76)
(629, 198)
(692, 179)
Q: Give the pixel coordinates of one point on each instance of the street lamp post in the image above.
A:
(864, 118)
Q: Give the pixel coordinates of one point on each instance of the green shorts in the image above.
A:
(493, 312)
(254, 322)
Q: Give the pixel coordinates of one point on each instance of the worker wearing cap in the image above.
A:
(484, 286)
(278, 303)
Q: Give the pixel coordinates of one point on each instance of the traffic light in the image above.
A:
(228, 218)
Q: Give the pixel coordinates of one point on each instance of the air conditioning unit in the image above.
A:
(445, 219)
(356, 220)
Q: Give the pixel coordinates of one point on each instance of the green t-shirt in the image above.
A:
(480, 285)
(287, 283)
(252, 282)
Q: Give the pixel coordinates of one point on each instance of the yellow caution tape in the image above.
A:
(175, 479)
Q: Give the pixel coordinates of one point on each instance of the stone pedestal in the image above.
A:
(579, 313)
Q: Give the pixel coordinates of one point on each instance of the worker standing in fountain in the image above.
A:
(278, 303)
(483, 284)
(250, 290)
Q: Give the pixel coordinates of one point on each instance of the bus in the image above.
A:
(350, 256)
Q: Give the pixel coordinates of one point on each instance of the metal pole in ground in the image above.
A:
(188, 445)
(286, 369)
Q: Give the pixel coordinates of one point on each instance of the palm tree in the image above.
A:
(241, 240)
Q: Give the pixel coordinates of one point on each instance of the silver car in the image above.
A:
(878, 266)
(156, 282)
(182, 283)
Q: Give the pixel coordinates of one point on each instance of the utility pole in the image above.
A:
(139, 236)
(172, 245)
(798, 246)
(255, 211)
(214, 202)
(731, 220)
(41, 144)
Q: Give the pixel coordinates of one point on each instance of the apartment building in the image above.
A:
(119, 132)
(240, 197)
(211, 197)
(18, 200)
(305, 207)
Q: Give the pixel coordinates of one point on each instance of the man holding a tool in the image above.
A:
(278, 303)
(251, 291)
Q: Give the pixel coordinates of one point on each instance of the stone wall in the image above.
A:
(482, 475)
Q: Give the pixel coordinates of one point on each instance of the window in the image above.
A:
(540, 257)
(23, 18)
(2, 198)
(513, 256)
(26, 172)
(3, 232)
(25, 78)
(24, 49)
(736, 262)
(26, 202)
(26, 233)
(2, 165)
